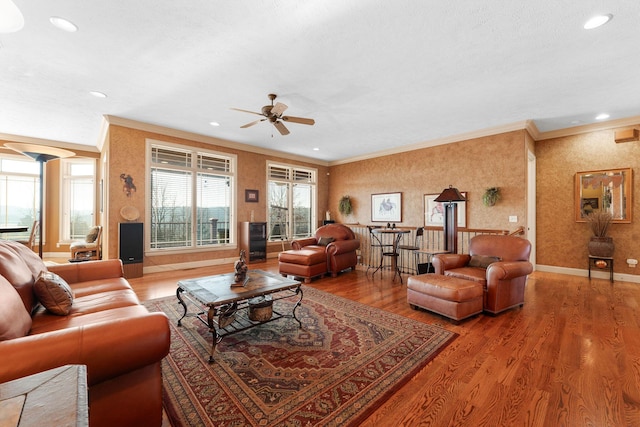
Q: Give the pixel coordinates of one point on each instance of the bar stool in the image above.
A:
(406, 250)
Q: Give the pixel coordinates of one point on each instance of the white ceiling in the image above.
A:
(375, 75)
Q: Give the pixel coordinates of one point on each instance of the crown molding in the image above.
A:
(134, 124)
(595, 127)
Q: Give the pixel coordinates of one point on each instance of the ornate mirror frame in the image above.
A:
(608, 190)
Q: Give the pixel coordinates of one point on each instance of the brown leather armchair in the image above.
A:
(338, 242)
(500, 263)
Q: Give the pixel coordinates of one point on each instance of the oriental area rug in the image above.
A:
(345, 361)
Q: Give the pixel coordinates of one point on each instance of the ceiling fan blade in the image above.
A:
(300, 120)
(252, 123)
(278, 109)
(281, 127)
(247, 111)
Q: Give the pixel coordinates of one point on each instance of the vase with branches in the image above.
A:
(600, 244)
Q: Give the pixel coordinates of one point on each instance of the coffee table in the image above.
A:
(214, 296)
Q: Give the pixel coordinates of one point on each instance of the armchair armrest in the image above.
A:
(442, 262)
(89, 270)
(342, 246)
(301, 243)
(505, 270)
(109, 349)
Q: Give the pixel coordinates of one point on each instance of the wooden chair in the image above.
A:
(33, 236)
(90, 248)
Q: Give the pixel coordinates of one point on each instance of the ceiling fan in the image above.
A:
(273, 113)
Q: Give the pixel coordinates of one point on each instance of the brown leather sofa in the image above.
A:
(500, 263)
(106, 329)
(332, 249)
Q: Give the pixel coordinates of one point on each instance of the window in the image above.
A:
(192, 197)
(19, 192)
(78, 198)
(292, 196)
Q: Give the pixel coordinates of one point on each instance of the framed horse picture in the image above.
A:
(386, 207)
(434, 211)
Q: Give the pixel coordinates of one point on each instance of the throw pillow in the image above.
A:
(92, 235)
(54, 293)
(324, 241)
(483, 261)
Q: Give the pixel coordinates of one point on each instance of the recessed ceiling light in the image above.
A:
(316, 149)
(63, 24)
(602, 116)
(214, 123)
(11, 19)
(597, 21)
(98, 94)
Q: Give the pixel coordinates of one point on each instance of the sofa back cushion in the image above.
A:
(336, 231)
(507, 248)
(21, 267)
(15, 321)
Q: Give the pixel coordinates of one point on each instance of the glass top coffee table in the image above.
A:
(219, 301)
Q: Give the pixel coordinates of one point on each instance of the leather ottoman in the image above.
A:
(449, 296)
(305, 263)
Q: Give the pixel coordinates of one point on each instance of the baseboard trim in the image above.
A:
(585, 273)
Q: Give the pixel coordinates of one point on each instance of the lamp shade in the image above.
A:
(450, 195)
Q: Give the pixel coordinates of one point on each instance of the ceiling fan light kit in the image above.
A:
(273, 113)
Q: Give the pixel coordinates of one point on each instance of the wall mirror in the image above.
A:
(607, 190)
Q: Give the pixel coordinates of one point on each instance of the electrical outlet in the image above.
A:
(513, 218)
(632, 262)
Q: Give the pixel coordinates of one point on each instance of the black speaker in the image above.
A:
(131, 242)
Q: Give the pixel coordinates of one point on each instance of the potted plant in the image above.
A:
(344, 206)
(491, 196)
(600, 244)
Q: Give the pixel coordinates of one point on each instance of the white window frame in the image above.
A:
(36, 195)
(193, 170)
(65, 189)
(290, 178)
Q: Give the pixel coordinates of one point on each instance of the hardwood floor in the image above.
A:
(569, 357)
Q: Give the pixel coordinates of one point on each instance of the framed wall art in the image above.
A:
(251, 196)
(386, 207)
(434, 211)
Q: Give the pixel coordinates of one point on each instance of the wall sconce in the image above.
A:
(449, 197)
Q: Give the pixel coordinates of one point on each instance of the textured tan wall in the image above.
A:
(561, 240)
(126, 154)
(471, 166)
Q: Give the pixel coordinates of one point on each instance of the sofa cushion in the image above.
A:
(15, 321)
(483, 261)
(476, 274)
(21, 267)
(53, 293)
(324, 241)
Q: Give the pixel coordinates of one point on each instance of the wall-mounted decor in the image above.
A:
(434, 211)
(344, 205)
(251, 196)
(386, 207)
(128, 187)
(604, 190)
(491, 196)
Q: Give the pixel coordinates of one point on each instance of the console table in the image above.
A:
(594, 260)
